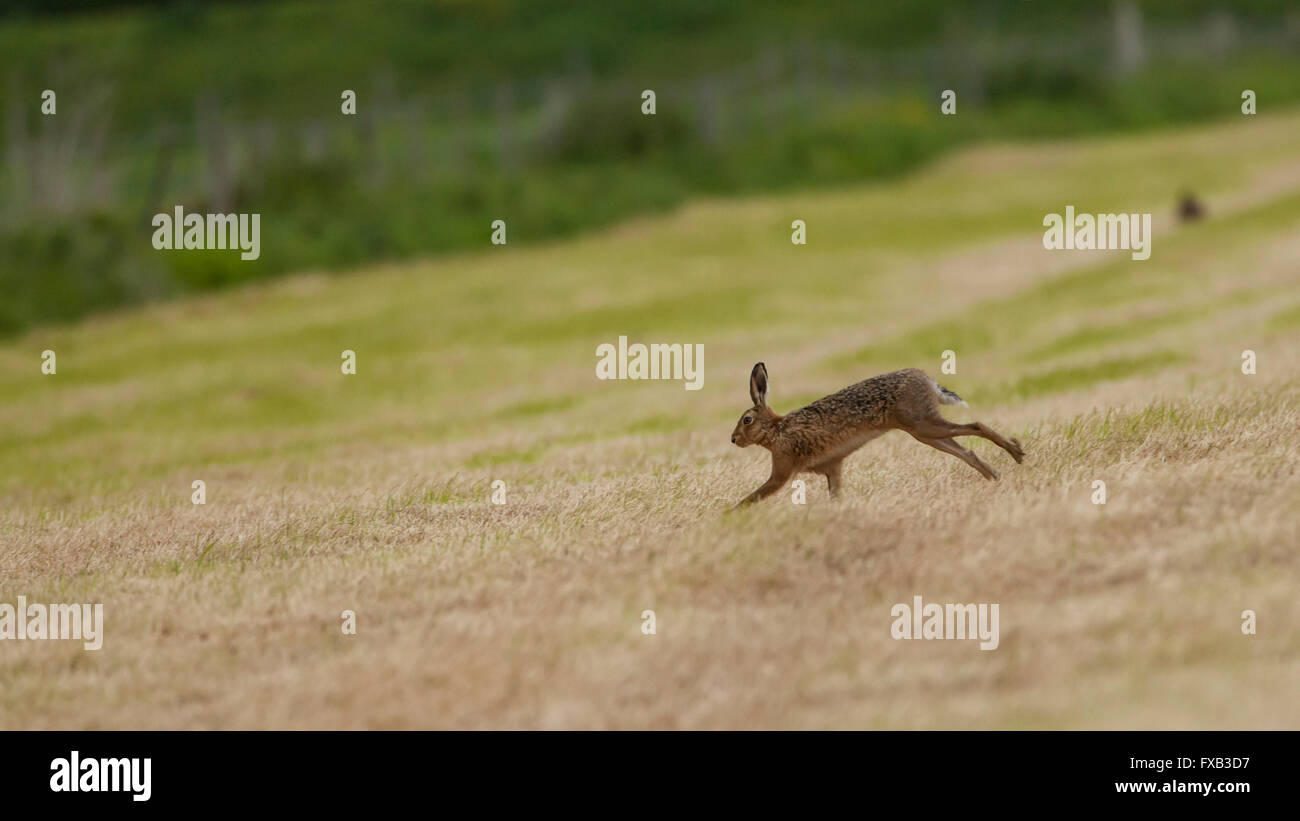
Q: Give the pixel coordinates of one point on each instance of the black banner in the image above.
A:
(136, 772)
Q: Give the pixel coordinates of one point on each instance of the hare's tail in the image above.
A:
(947, 397)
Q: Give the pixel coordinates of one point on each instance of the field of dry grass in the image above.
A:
(371, 492)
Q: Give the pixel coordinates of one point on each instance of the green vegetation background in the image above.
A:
(530, 112)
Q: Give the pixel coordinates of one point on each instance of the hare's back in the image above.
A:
(877, 398)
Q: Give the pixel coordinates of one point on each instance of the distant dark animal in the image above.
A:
(1190, 208)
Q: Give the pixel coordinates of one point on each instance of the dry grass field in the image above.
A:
(370, 492)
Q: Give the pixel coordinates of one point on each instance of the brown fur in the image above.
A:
(817, 438)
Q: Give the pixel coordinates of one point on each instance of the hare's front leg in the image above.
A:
(781, 472)
(831, 470)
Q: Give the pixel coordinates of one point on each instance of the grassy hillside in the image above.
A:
(370, 492)
(469, 112)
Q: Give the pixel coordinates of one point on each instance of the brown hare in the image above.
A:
(816, 438)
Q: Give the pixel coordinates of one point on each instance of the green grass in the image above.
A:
(1107, 334)
(499, 345)
(539, 407)
(1286, 320)
(1110, 286)
(1060, 379)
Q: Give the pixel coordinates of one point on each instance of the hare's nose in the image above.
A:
(733, 438)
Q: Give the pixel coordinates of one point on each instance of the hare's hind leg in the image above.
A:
(1011, 446)
(950, 446)
(936, 427)
(831, 470)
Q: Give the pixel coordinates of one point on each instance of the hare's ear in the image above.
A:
(758, 385)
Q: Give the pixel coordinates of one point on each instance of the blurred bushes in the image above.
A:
(1047, 79)
(62, 270)
(607, 126)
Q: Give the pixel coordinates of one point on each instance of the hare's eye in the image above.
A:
(748, 419)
